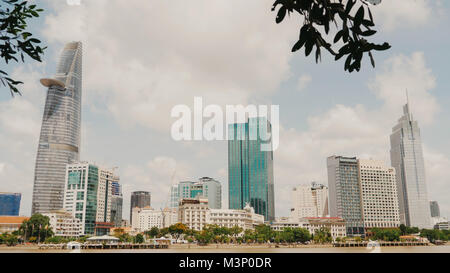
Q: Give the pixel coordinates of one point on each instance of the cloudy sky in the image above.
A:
(141, 58)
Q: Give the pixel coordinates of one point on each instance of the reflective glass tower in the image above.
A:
(59, 140)
(250, 169)
(10, 203)
(407, 159)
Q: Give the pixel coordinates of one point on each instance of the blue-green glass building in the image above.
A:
(250, 168)
(10, 203)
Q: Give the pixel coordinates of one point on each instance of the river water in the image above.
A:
(412, 249)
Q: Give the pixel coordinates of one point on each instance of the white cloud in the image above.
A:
(164, 53)
(303, 82)
(358, 131)
(401, 14)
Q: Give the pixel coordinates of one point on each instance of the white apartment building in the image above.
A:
(245, 218)
(309, 201)
(144, 219)
(379, 197)
(194, 213)
(64, 224)
(104, 194)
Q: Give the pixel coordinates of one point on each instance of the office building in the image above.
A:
(378, 194)
(434, 209)
(206, 187)
(88, 196)
(59, 140)
(139, 199)
(10, 203)
(344, 192)
(116, 204)
(64, 224)
(309, 201)
(250, 167)
(337, 226)
(407, 159)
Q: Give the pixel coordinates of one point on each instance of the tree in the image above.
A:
(38, 226)
(139, 239)
(15, 40)
(353, 28)
(176, 230)
(323, 235)
(153, 232)
(403, 229)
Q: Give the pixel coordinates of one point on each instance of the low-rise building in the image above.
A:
(245, 218)
(335, 225)
(194, 213)
(144, 219)
(64, 224)
(10, 224)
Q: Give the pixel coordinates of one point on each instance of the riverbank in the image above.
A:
(270, 248)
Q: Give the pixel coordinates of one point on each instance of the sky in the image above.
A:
(141, 58)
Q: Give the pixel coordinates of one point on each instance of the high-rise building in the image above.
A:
(344, 192)
(194, 212)
(309, 201)
(116, 204)
(206, 187)
(139, 199)
(250, 168)
(81, 194)
(407, 159)
(59, 141)
(10, 203)
(379, 197)
(434, 209)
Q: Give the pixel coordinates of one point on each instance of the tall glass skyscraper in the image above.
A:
(407, 159)
(10, 203)
(250, 170)
(139, 199)
(59, 140)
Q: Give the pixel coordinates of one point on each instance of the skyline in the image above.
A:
(310, 128)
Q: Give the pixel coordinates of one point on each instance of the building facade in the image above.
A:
(146, 218)
(9, 224)
(206, 187)
(245, 218)
(407, 159)
(250, 168)
(337, 226)
(80, 197)
(10, 203)
(116, 204)
(434, 209)
(64, 224)
(59, 140)
(309, 201)
(378, 194)
(194, 213)
(344, 192)
(139, 199)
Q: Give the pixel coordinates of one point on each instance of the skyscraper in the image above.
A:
(407, 159)
(379, 197)
(10, 203)
(139, 199)
(59, 141)
(434, 208)
(206, 187)
(309, 201)
(250, 168)
(116, 204)
(345, 194)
